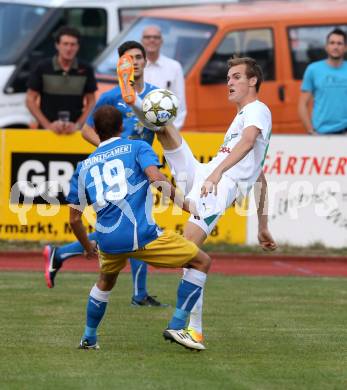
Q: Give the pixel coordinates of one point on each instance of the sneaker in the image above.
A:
(125, 72)
(84, 344)
(51, 265)
(148, 301)
(195, 335)
(182, 337)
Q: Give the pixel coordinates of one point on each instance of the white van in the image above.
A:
(26, 36)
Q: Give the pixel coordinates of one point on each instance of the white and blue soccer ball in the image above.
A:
(160, 107)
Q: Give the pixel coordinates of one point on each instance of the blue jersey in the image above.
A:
(132, 127)
(112, 179)
(328, 85)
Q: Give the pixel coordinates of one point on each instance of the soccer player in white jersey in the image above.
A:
(236, 167)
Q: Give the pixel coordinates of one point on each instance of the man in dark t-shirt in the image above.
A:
(61, 89)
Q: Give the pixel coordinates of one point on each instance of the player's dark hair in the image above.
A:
(107, 122)
(252, 69)
(338, 31)
(67, 30)
(131, 45)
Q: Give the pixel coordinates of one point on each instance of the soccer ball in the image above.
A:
(160, 107)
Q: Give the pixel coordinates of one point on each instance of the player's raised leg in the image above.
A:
(54, 257)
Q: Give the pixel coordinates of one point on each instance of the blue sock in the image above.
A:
(139, 274)
(67, 251)
(96, 307)
(187, 295)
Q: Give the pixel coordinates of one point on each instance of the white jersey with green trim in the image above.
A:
(248, 169)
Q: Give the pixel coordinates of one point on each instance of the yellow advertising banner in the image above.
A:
(36, 167)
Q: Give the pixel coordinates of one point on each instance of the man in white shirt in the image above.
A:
(238, 163)
(163, 71)
(236, 167)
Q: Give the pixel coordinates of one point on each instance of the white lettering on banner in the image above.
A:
(59, 175)
(34, 187)
(32, 178)
(312, 206)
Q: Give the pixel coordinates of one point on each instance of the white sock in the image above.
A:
(195, 319)
(196, 277)
(96, 293)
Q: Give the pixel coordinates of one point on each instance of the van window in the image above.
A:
(183, 41)
(90, 22)
(18, 24)
(307, 45)
(257, 43)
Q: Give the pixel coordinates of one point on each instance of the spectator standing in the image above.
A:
(163, 71)
(325, 83)
(61, 90)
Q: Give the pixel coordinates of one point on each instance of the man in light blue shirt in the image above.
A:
(325, 82)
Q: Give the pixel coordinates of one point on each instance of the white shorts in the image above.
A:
(190, 175)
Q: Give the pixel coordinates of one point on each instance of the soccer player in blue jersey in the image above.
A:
(115, 180)
(133, 129)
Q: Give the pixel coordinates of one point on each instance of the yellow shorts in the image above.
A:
(170, 250)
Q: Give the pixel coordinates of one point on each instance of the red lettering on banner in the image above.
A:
(281, 164)
(290, 165)
(266, 167)
(342, 162)
(276, 165)
(303, 164)
(316, 165)
(328, 166)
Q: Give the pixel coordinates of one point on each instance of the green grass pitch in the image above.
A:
(261, 333)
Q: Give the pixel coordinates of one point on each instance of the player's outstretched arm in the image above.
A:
(265, 238)
(163, 185)
(81, 233)
(238, 152)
